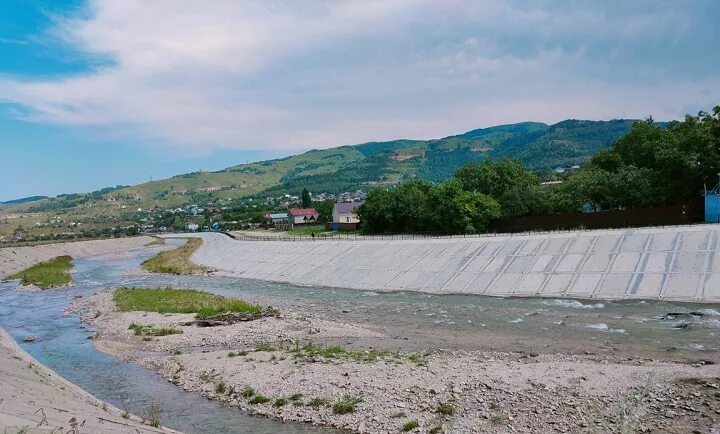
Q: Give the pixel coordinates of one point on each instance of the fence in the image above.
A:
(553, 223)
(636, 217)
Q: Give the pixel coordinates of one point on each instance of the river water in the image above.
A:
(410, 320)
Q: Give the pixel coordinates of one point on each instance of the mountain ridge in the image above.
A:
(541, 147)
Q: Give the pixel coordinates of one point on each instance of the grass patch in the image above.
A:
(447, 409)
(247, 392)
(258, 399)
(265, 348)
(176, 261)
(45, 275)
(296, 397)
(398, 415)
(346, 405)
(220, 387)
(319, 231)
(310, 351)
(280, 402)
(148, 330)
(318, 402)
(498, 419)
(410, 426)
(232, 354)
(435, 430)
(156, 242)
(170, 300)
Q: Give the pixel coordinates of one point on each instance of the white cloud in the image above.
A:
(280, 74)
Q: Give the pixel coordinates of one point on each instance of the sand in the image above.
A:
(488, 391)
(34, 399)
(14, 259)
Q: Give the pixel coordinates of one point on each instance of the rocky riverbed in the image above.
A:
(299, 367)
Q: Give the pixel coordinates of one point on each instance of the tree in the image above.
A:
(305, 198)
(507, 181)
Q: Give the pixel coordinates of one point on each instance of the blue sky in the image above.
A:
(95, 93)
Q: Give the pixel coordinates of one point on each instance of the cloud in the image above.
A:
(295, 75)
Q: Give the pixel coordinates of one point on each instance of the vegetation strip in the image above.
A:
(176, 261)
(45, 275)
(168, 300)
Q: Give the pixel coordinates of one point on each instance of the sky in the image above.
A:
(95, 93)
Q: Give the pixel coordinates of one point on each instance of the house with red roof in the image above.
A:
(303, 216)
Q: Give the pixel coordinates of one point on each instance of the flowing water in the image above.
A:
(411, 320)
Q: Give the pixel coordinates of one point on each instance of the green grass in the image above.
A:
(170, 300)
(447, 409)
(148, 330)
(176, 261)
(399, 415)
(310, 351)
(410, 426)
(280, 402)
(318, 402)
(346, 405)
(308, 230)
(232, 354)
(435, 430)
(248, 392)
(258, 399)
(45, 275)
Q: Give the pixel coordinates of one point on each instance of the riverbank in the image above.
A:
(267, 367)
(677, 263)
(15, 259)
(34, 399)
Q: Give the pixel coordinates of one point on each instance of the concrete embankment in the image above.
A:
(672, 263)
(14, 259)
(34, 399)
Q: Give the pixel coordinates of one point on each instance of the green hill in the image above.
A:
(541, 147)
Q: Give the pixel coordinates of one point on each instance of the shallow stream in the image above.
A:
(411, 320)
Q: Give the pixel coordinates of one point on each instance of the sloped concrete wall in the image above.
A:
(675, 263)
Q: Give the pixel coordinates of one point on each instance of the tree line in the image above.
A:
(652, 165)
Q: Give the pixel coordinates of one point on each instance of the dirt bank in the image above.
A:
(441, 390)
(34, 399)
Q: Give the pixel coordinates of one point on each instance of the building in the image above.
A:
(272, 219)
(346, 212)
(303, 216)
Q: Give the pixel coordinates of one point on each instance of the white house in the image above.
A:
(346, 212)
(303, 216)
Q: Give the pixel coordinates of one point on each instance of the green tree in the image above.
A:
(305, 198)
(508, 182)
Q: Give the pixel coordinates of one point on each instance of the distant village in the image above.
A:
(332, 212)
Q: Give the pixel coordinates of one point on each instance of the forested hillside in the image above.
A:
(539, 146)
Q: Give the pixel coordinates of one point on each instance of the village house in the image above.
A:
(303, 216)
(346, 212)
(272, 219)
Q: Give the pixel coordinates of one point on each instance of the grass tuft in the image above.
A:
(398, 415)
(232, 354)
(48, 274)
(258, 399)
(410, 426)
(447, 409)
(148, 330)
(247, 392)
(318, 402)
(280, 402)
(169, 300)
(346, 405)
